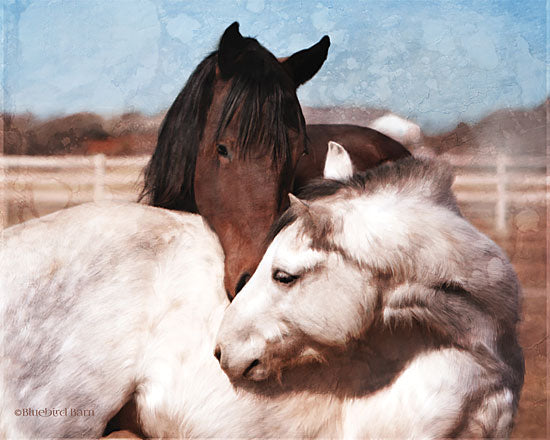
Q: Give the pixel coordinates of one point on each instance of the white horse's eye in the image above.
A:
(284, 278)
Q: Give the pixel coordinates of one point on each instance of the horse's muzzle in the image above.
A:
(241, 368)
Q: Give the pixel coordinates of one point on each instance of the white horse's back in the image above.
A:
(86, 293)
(398, 128)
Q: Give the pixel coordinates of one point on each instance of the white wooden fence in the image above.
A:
(55, 182)
(503, 181)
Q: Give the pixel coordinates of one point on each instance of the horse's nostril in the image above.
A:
(229, 296)
(254, 363)
(218, 353)
(242, 281)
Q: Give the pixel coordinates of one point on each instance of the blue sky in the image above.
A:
(437, 62)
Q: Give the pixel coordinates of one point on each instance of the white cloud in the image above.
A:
(83, 56)
(481, 50)
(352, 63)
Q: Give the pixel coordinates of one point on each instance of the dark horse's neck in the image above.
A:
(367, 148)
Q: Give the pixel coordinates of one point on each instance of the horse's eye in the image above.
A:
(284, 278)
(222, 150)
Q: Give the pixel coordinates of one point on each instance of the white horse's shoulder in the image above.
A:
(108, 221)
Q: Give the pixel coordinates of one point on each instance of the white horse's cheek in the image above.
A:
(328, 309)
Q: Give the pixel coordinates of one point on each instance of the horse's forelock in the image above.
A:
(316, 223)
(264, 97)
(286, 219)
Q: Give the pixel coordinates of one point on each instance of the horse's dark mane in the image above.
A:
(168, 177)
(263, 94)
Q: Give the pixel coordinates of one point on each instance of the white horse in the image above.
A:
(379, 302)
(104, 301)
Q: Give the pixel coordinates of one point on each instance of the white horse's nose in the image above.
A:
(241, 361)
(240, 345)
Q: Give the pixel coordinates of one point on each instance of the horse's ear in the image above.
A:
(338, 164)
(304, 64)
(298, 204)
(231, 45)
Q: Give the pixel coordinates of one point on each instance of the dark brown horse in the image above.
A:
(234, 143)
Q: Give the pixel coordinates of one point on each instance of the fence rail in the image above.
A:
(60, 181)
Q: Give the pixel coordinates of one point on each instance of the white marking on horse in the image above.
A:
(338, 164)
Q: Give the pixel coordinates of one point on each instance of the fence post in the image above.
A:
(99, 177)
(501, 206)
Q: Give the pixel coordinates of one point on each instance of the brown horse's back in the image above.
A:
(366, 147)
